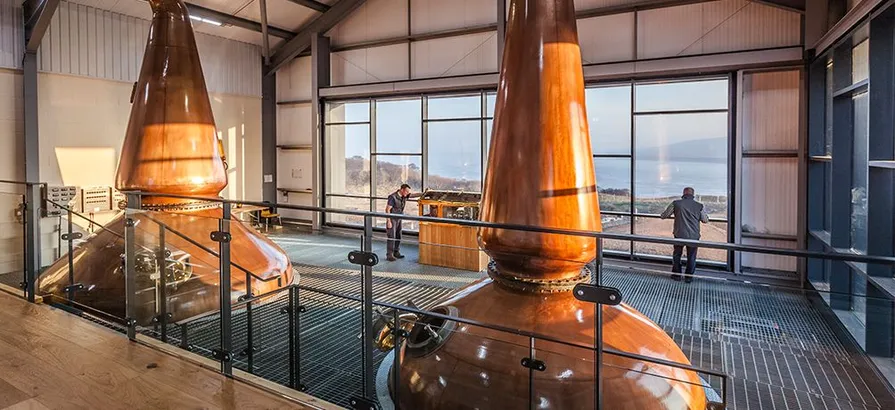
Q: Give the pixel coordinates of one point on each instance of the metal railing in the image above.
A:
(224, 350)
(31, 214)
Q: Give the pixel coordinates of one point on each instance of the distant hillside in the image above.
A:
(706, 150)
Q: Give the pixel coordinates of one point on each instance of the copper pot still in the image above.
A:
(540, 173)
(171, 147)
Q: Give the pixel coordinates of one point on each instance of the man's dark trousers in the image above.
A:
(691, 259)
(394, 238)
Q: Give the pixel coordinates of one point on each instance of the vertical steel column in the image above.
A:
(226, 303)
(501, 30)
(161, 257)
(320, 78)
(880, 334)
(269, 137)
(531, 373)
(369, 374)
(736, 86)
(32, 172)
(130, 250)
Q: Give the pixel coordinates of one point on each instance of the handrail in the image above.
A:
(839, 256)
(168, 228)
(505, 329)
(73, 212)
(26, 183)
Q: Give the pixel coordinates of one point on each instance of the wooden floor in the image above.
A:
(50, 359)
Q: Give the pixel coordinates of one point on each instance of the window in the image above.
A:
(455, 155)
(649, 141)
(861, 104)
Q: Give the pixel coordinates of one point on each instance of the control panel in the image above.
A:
(62, 195)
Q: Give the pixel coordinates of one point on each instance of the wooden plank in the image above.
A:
(30, 404)
(10, 395)
(63, 361)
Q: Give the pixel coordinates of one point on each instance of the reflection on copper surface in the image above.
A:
(171, 147)
(540, 172)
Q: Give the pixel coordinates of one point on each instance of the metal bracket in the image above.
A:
(221, 355)
(130, 322)
(129, 222)
(300, 309)
(245, 352)
(158, 318)
(534, 364)
(71, 236)
(74, 287)
(363, 258)
(359, 403)
(244, 298)
(219, 236)
(602, 295)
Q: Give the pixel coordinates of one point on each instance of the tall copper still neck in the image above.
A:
(171, 145)
(540, 167)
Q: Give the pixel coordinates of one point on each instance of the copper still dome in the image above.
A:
(170, 147)
(540, 173)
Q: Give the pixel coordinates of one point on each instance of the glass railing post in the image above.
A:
(396, 363)
(250, 348)
(369, 378)
(531, 372)
(293, 338)
(161, 257)
(71, 258)
(130, 248)
(598, 328)
(223, 237)
(32, 239)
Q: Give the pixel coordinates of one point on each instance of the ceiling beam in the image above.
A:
(235, 21)
(37, 20)
(302, 41)
(312, 4)
(796, 6)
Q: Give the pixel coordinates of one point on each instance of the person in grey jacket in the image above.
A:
(687, 215)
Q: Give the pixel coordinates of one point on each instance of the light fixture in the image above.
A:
(205, 20)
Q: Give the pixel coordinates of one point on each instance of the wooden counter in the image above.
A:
(446, 244)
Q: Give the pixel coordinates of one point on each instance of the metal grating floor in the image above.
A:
(777, 350)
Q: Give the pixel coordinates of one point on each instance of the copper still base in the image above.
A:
(478, 368)
(192, 273)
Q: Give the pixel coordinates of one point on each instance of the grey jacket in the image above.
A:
(687, 215)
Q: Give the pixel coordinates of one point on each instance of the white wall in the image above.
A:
(88, 62)
(769, 193)
(296, 128)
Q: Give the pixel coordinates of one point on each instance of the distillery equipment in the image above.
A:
(170, 147)
(540, 173)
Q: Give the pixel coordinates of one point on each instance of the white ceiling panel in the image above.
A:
(280, 13)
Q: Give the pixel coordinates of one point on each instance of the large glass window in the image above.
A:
(649, 141)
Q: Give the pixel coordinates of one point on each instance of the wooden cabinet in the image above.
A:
(446, 244)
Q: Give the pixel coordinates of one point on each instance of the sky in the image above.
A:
(455, 148)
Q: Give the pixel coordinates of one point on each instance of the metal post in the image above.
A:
(32, 240)
(293, 345)
(531, 374)
(250, 350)
(369, 378)
(598, 328)
(130, 247)
(226, 334)
(161, 257)
(396, 363)
(71, 259)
